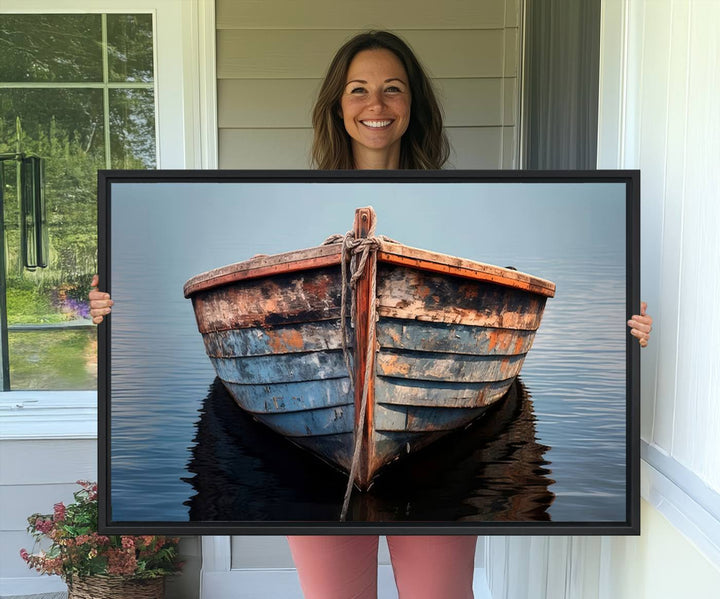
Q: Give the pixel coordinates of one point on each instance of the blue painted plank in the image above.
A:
(452, 338)
(398, 391)
(292, 397)
(288, 368)
(428, 366)
(325, 421)
(417, 419)
(256, 341)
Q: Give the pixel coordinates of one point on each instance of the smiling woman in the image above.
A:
(375, 108)
(375, 78)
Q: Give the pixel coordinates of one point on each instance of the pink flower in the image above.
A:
(24, 555)
(89, 488)
(53, 565)
(121, 562)
(44, 526)
(128, 543)
(59, 512)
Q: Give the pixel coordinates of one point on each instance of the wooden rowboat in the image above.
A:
(448, 338)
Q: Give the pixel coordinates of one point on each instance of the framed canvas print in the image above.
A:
(391, 352)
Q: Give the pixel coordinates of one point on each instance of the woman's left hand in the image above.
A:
(641, 325)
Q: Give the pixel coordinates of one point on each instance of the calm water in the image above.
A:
(554, 449)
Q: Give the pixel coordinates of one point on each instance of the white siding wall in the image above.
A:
(660, 84)
(272, 56)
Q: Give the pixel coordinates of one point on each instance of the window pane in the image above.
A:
(50, 48)
(53, 116)
(55, 359)
(65, 127)
(130, 47)
(132, 128)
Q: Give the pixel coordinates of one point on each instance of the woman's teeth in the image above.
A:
(376, 124)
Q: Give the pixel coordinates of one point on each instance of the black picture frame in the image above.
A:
(111, 184)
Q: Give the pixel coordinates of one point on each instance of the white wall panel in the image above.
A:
(265, 148)
(19, 501)
(272, 53)
(697, 414)
(652, 119)
(668, 262)
(350, 14)
(260, 552)
(475, 147)
(71, 460)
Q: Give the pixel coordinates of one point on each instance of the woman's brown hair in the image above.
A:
(424, 144)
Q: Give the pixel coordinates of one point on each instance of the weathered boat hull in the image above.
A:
(449, 342)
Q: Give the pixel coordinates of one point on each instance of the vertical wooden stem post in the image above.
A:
(364, 224)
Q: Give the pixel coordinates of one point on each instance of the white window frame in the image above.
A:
(186, 130)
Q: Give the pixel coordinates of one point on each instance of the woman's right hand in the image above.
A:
(100, 302)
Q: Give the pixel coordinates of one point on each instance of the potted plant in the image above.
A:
(95, 566)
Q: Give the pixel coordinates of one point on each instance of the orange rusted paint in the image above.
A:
(493, 339)
(395, 336)
(318, 287)
(423, 291)
(395, 366)
(281, 341)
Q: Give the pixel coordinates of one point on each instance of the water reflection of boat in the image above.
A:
(449, 337)
(492, 471)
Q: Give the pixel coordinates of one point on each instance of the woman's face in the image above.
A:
(375, 106)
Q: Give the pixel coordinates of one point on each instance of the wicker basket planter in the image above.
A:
(116, 587)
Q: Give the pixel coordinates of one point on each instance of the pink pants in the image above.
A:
(345, 567)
